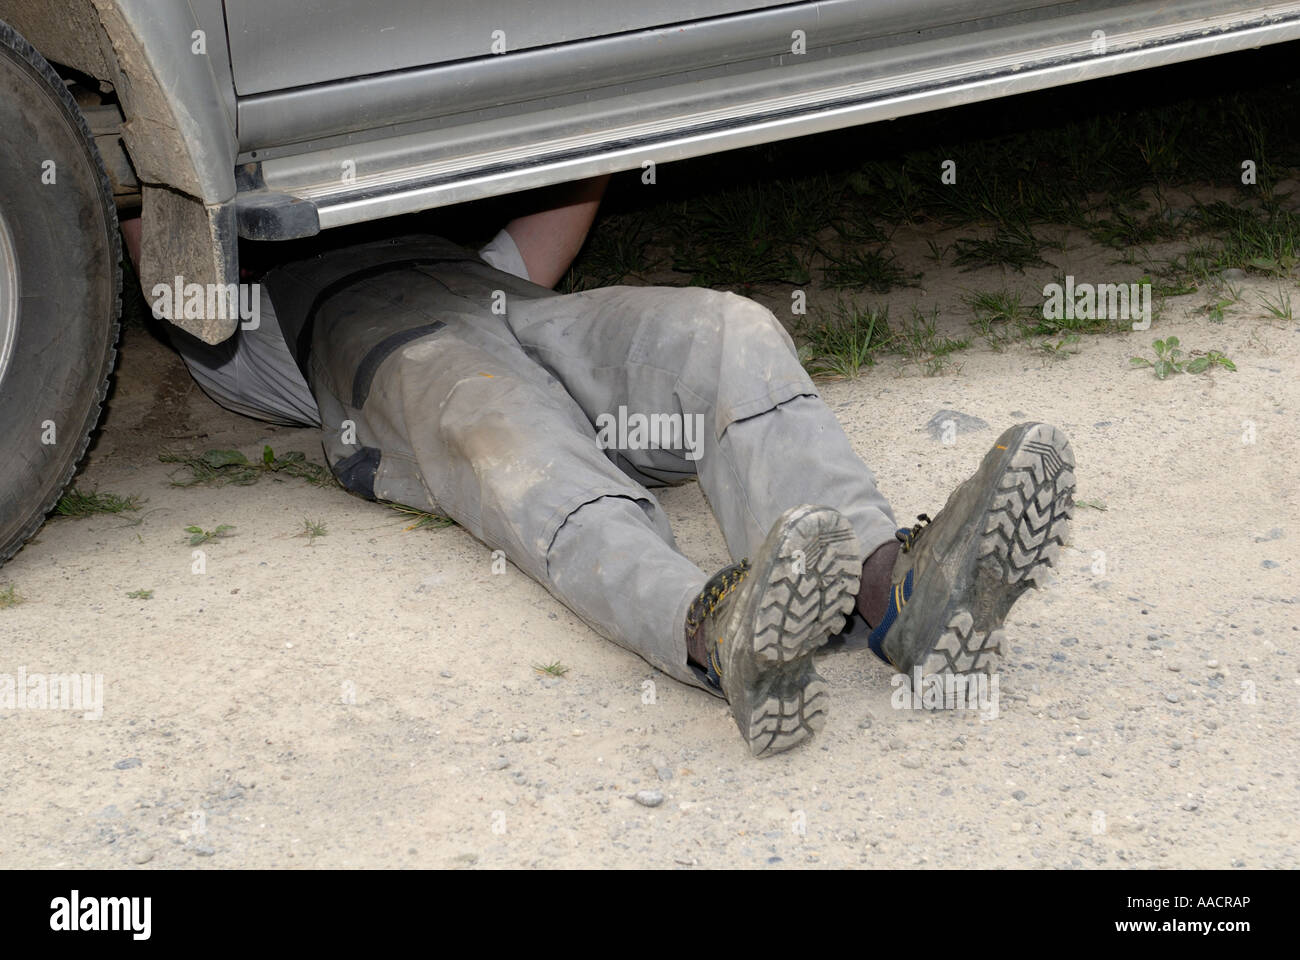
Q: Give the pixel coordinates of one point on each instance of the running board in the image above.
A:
(404, 174)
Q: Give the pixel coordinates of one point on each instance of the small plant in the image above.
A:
(1210, 358)
(1279, 308)
(1169, 359)
(555, 669)
(1094, 504)
(1062, 348)
(1215, 310)
(10, 597)
(999, 312)
(219, 467)
(1011, 245)
(311, 529)
(75, 503)
(843, 345)
(738, 238)
(874, 270)
(918, 340)
(422, 519)
(1174, 288)
(199, 535)
(1226, 295)
(141, 594)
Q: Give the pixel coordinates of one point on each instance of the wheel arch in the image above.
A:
(169, 65)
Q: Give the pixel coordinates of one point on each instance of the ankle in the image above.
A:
(877, 579)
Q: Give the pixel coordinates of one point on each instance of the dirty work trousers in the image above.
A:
(491, 419)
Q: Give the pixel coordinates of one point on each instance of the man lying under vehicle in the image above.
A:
(459, 383)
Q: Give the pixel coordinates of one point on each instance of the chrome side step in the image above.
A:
(366, 181)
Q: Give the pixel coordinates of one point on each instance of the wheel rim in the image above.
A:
(8, 296)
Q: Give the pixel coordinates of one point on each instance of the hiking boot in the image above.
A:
(956, 576)
(761, 623)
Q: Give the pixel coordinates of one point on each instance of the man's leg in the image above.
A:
(768, 441)
(468, 426)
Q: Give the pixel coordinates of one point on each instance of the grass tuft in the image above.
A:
(76, 503)
(421, 519)
(198, 535)
(840, 346)
(220, 467)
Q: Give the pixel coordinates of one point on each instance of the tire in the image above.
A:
(60, 288)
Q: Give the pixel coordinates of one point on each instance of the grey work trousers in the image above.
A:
(492, 420)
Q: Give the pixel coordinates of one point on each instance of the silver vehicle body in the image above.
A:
(275, 119)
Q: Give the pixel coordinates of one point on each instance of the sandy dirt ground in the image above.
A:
(369, 698)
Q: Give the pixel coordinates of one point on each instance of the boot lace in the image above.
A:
(909, 537)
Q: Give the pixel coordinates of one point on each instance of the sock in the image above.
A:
(873, 594)
(697, 648)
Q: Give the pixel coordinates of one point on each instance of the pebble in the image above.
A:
(1019, 794)
(911, 763)
(1233, 274)
(127, 764)
(1082, 751)
(648, 798)
(519, 736)
(1268, 564)
(664, 773)
(1172, 697)
(961, 423)
(500, 763)
(203, 850)
(142, 856)
(866, 722)
(445, 673)
(896, 744)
